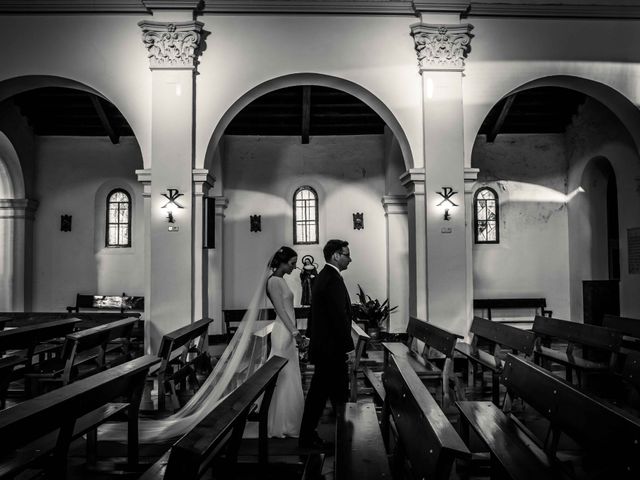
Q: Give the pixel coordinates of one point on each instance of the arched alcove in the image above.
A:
(539, 175)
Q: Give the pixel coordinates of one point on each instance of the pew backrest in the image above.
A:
(122, 302)
(428, 439)
(192, 454)
(503, 335)
(489, 304)
(578, 333)
(28, 337)
(433, 337)
(360, 341)
(599, 427)
(628, 326)
(35, 417)
(182, 336)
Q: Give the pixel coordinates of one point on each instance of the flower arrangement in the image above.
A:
(371, 310)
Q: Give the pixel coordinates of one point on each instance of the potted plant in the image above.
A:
(374, 313)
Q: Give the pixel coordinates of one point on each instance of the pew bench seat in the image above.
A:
(375, 380)
(16, 461)
(511, 450)
(423, 368)
(359, 449)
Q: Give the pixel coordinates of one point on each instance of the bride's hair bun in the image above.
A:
(283, 255)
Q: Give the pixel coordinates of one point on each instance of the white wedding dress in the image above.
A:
(287, 403)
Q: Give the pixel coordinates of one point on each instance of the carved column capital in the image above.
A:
(172, 45)
(221, 205)
(441, 47)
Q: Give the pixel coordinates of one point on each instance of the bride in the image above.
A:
(244, 354)
(287, 403)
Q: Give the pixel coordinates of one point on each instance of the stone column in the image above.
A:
(216, 269)
(395, 212)
(441, 49)
(202, 184)
(16, 254)
(173, 48)
(144, 177)
(413, 181)
(470, 177)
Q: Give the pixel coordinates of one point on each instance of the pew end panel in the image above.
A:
(425, 436)
(360, 340)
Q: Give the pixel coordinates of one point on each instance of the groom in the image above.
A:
(329, 330)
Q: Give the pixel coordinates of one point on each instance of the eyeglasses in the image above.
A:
(348, 255)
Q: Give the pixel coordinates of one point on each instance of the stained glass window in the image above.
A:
(305, 216)
(486, 221)
(118, 232)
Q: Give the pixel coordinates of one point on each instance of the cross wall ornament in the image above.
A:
(447, 193)
(172, 197)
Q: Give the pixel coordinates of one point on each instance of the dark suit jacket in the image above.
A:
(330, 324)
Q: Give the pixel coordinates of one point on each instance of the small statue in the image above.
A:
(308, 274)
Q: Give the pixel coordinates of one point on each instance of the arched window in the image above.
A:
(118, 231)
(486, 219)
(305, 216)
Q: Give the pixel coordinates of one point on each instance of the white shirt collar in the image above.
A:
(336, 268)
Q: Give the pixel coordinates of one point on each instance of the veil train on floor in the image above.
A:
(245, 353)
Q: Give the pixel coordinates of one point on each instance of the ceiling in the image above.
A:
(303, 111)
(538, 110)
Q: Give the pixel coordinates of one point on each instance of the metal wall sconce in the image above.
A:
(446, 194)
(65, 223)
(256, 223)
(171, 204)
(358, 221)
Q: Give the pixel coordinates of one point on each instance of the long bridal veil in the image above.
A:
(246, 352)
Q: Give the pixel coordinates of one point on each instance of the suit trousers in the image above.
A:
(330, 380)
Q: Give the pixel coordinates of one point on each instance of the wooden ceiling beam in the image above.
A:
(306, 113)
(495, 129)
(113, 136)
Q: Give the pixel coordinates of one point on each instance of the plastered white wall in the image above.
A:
(529, 173)
(597, 134)
(260, 177)
(74, 176)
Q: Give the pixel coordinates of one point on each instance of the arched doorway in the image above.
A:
(297, 134)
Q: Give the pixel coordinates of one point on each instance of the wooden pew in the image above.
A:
(360, 340)
(629, 327)
(439, 345)
(7, 366)
(232, 317)
(32, 337)
(79, 349)
(179, 352)
(45, 426)
(359, 448)
(489, 304)
(422, 433)
(123, 303)
(607, 435)
(222, 429)
(497, 336)
(601, 339)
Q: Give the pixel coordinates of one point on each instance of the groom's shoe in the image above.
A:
(314, 442)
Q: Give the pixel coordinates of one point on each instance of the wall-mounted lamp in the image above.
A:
(447, 193)
(171, 204)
